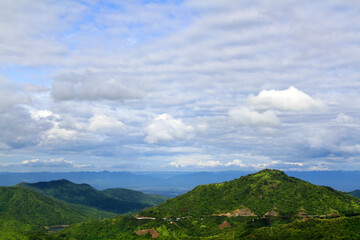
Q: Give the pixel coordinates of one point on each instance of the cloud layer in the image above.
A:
(193, 84)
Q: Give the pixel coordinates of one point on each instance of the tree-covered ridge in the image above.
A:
(113, 200)
(29, 207)
(261, 193)
(337, 228)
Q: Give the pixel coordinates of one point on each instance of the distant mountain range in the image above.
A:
(116, 200)
(175, 183)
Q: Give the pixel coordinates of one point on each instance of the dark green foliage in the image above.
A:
(355, 193)
(122, 227)
(261, 192)
(24, 212)
(33, 208)
(338, 228)
(113, 200)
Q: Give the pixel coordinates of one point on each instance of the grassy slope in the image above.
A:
(110, 200)
(260, 192)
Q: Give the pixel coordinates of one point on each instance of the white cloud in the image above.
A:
(350, 148)
(165, 128)
(236, 162)
(52, 163)
(39, 114)
(101, 122)
(290, 99)
(343, 119)
(196, 164)
(194, 161)
(247, 117)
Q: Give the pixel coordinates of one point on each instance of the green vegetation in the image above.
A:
(122, 227)
(10, 228)
(338, 228)
(277, 207)
(113, 200)
(125, 227)
(262, 192)
(33, 208)
(22, 210)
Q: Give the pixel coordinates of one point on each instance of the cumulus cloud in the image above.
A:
(261, 109)
(247, 117)
(164, 128)
(290, 99)
(101, 122)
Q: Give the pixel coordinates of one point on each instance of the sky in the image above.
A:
(192, 85)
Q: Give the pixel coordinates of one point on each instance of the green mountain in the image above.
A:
(268, 192)
(112, 200)
(355, 193)
(30, 207)
(23, 210)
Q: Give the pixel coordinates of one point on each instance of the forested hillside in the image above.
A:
(268, 192)
(113, 200)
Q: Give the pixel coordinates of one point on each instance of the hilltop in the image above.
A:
(268, 192)
(114, 200)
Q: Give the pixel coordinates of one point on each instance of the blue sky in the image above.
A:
(179, 85)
